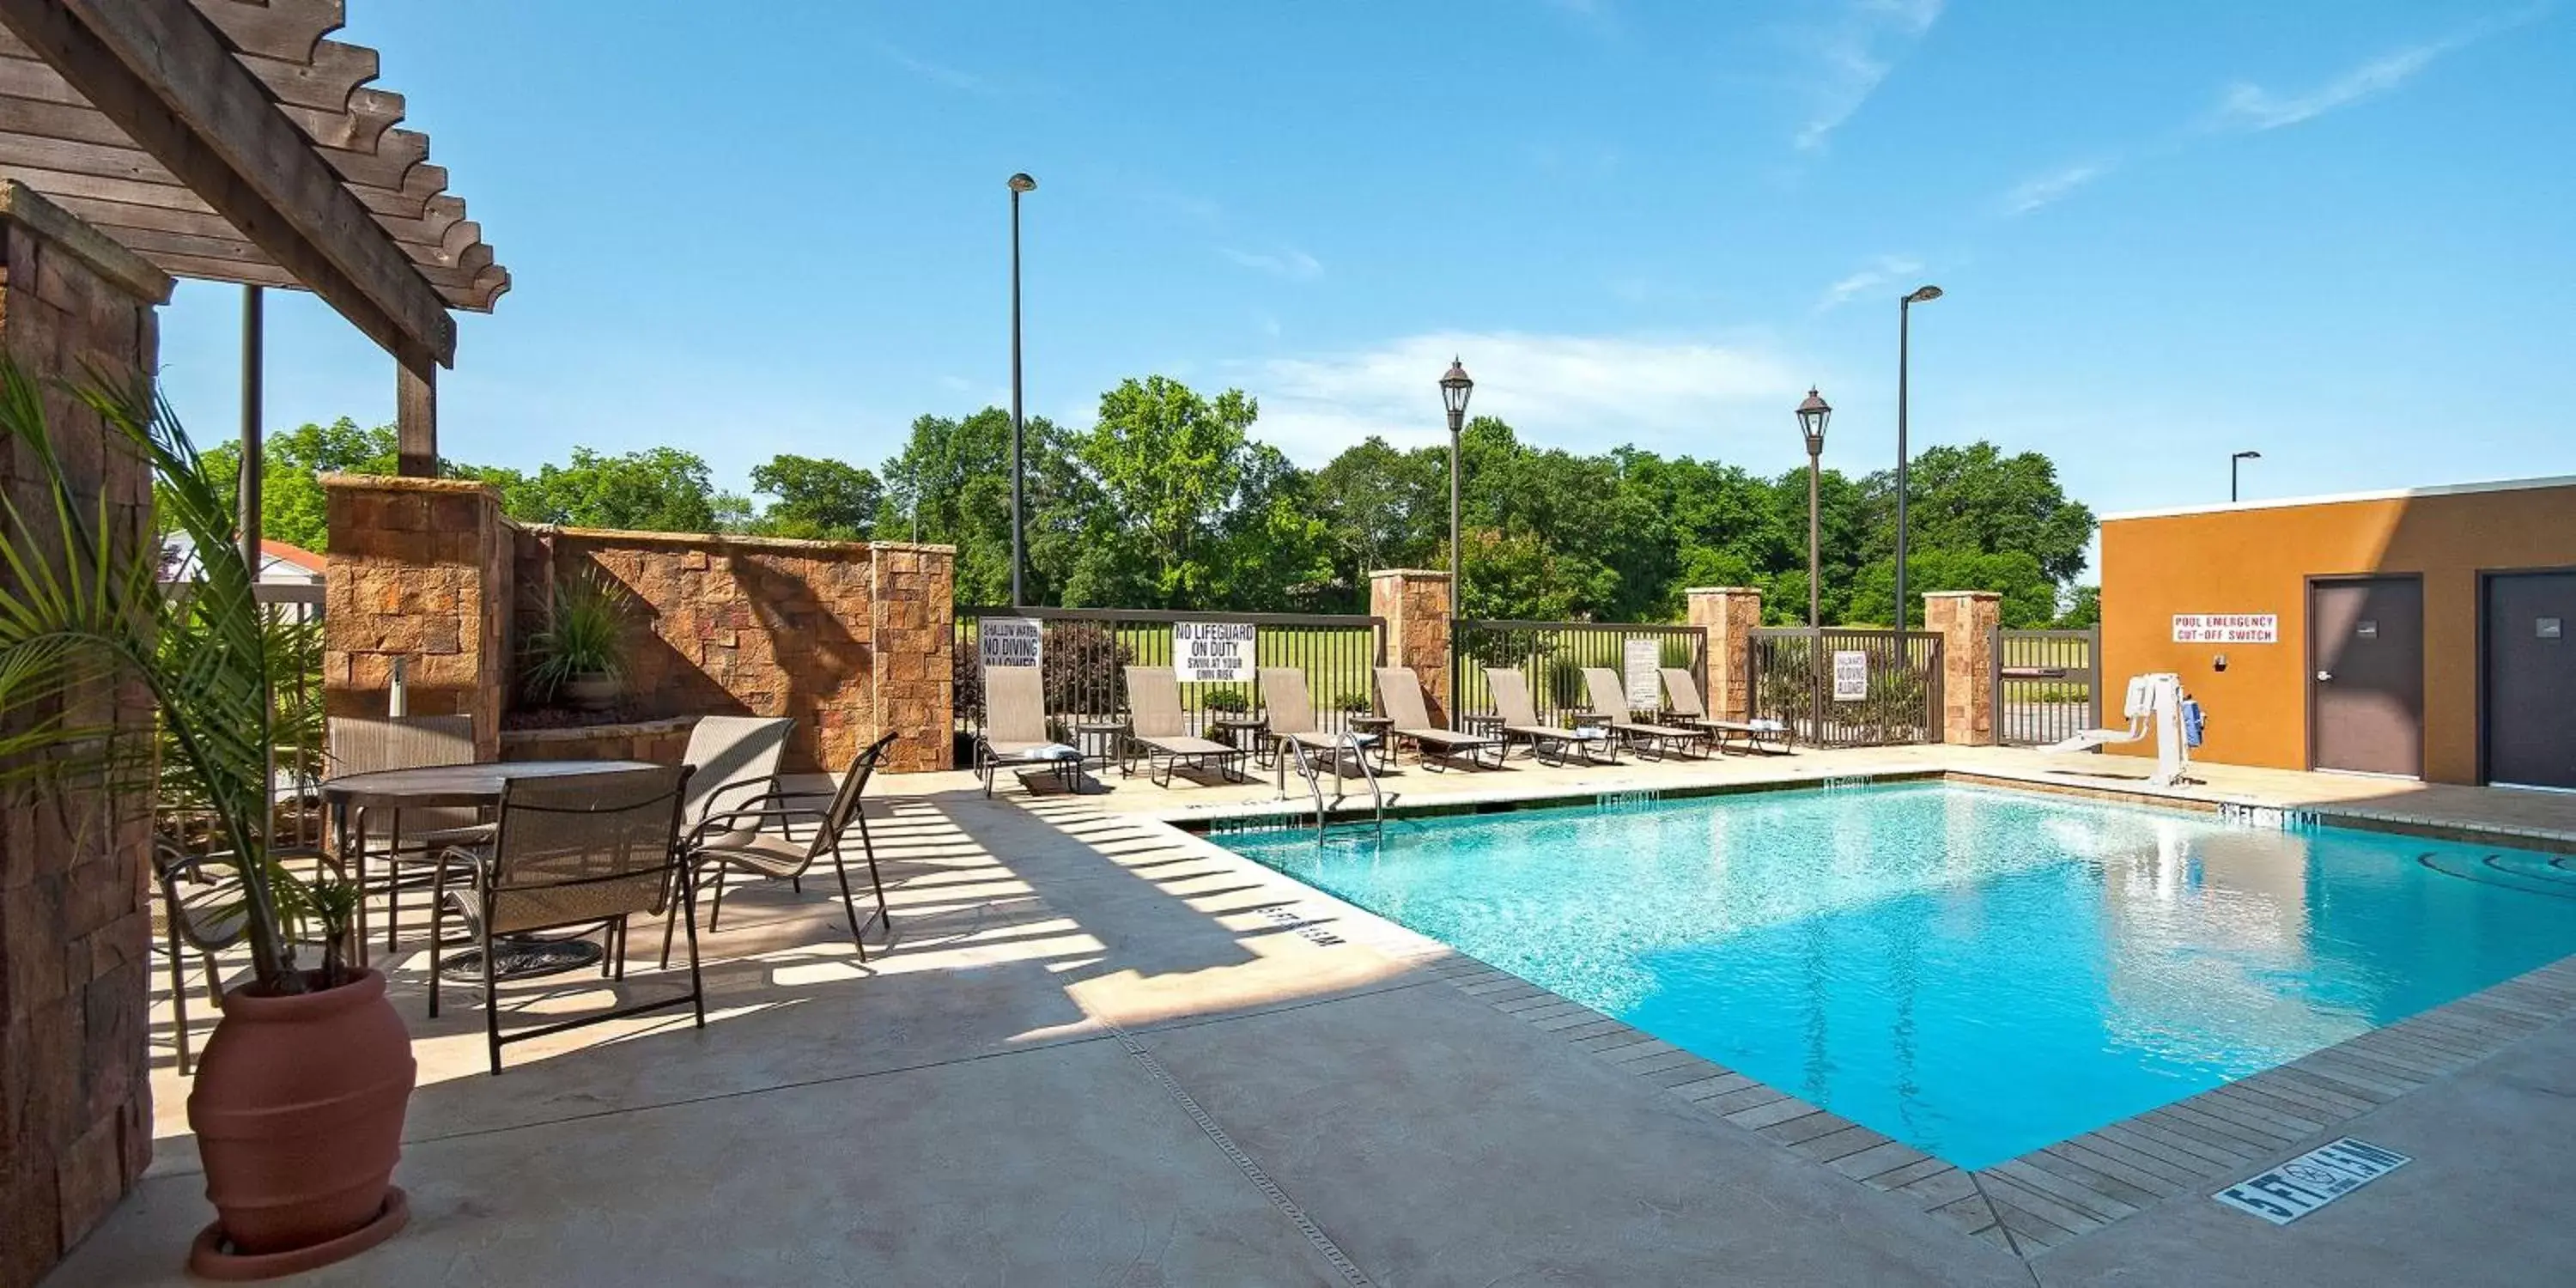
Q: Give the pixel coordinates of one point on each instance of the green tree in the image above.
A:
(2083, 609)
(292, 507)
(817, 499)
(951, 485)
(659, 489)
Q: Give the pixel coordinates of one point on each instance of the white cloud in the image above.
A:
(2247, 106)
(1858, 52)
(1581, 392)
(1887, 271)
(1288, 262)
(2039, 190)
(938, 73)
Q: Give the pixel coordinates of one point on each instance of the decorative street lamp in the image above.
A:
(1020, 183)
(2234, 461)
(1904, 320)
(1812, 415)
(1454, 388)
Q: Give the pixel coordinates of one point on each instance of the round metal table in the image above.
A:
(433, 786)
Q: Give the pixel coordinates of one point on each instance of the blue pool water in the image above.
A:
(1978, 973)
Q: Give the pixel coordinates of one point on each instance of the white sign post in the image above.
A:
(2226, 628)
(1212, 651)
(1010, 641)
(1645, 681)
(1851, 675)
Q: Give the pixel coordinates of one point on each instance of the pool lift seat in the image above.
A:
(2153, 706)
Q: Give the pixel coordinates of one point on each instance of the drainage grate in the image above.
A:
(1306, 928)
(1633, 799)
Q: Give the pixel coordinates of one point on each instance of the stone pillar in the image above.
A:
(1966, 621)
(914, 631)
(423, 570)
(1730, 615)
(1415, 604)
(75, 869)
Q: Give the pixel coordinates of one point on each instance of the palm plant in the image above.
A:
(81, 617)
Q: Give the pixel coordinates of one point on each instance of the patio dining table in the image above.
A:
(479, 786)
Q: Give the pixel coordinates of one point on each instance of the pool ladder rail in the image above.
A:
(1345, 744)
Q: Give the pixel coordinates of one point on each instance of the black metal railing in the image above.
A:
(1553, 655)
(1084, 651)
(2047, 684)
(1844, 687)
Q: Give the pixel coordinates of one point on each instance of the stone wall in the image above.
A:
(662, 742)
(419, 569)
(849, 639)
(1729, 615)
(75, 868)
(1415, 604)
(1966, 622)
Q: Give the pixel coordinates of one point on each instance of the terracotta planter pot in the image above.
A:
(298, 1110)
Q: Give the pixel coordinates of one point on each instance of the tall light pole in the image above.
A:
(2234, 461)
(1904, 338)
(1454, 388)
(1020, 183)
(1812, 415)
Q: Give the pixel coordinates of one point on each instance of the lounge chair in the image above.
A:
(1399, 695)
(1681, 691)
(1014, 734)
(1521, 724)
(571, 855)
(1159, 730)
(733, 765)
(742, 840)
(1292, 722)
(1610, 703)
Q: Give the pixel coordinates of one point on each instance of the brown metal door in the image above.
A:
(2531, 679)
(2366, 675)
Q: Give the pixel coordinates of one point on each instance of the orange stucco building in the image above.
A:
(2429, 632)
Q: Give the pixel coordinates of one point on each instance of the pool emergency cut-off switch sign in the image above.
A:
(2226, 628)
(2312, 1180)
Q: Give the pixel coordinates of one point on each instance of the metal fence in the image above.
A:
(1843, 687)
(1553, 655)
(2048, 685)
(1083, 651)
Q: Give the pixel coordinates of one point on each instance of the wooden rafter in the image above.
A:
(230, 140)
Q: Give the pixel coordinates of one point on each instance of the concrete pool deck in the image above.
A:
(1099, 1049)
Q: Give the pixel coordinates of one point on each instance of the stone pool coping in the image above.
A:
(2058, 1193)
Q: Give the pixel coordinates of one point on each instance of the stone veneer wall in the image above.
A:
(662, 742)
(418, 569)
(848, 638)
(1729, 615)
(75, 874)
(1415, 604)
(1966, 621)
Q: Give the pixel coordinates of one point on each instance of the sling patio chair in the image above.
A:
(402, 838)
(1610, 703)
(1681, 693)
(570, 856)
(1014, 732)
(199, 911)
(740, 841)
(1293, 726)
(733, 765)
(1159, 730)
(1399, 696)
(1521, 724)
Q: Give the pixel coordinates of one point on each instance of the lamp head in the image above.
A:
(1454, 388)
(1924, 295)
(2249, 456)
(1023, 183)
(1812, 415)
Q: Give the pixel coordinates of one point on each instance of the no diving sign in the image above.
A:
(2312, 1180)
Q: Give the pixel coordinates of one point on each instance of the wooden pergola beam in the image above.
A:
(162, 73)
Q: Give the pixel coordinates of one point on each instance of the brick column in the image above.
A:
(75, 873)
(1415, 604)
(914, 605)
(1966, 621)
(421, 569)
(1730, 615)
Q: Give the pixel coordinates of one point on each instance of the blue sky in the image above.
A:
(2338, 233)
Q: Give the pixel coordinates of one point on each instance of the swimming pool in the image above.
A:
(1976, 972)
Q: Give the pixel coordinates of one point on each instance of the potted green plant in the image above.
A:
(580, 656)
(299, 1101)
(1356, 704)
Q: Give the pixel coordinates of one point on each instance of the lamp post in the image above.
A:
(1454, 388)
(1020, 183)
(2234, 461)
(1812, 415)
(1904, 337)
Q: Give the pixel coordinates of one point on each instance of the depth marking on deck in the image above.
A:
(1350, 1271)
(2292, 1190)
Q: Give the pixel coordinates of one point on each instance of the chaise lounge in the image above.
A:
(1521, 724)
(1399, 695)
(1610, 705)
(1682, 692)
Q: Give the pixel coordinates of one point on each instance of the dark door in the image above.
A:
(2531, 678)
(2366, 675)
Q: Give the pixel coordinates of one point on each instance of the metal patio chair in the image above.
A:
(1681, 693)
(400, 838)
(1013, 735)
(739, 841)
(1158, 727)
(1521, 723)
(1610, 704)
(1399, 695)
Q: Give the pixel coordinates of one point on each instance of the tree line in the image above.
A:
(1170, 501)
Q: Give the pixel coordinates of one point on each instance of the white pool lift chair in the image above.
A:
(2153, 707)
